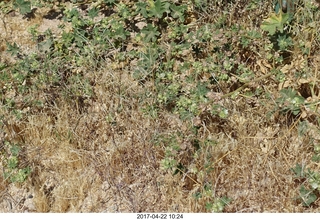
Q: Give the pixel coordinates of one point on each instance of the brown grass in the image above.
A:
(82, 162)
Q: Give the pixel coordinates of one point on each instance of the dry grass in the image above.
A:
(99, 155)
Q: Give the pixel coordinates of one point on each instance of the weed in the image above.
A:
(197, 88)
(290, 101)
(23, 6)
(12, 170)
(307, 195)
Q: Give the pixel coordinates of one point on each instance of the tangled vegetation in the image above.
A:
(159, 106)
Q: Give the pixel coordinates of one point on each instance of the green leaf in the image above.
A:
(316, 158)
(15, 150)
(275, 22)
(168, 163)
(209, 206)
(13, 49)
(314, 180)
(219, 204)
(223, 113)
(178, 11)
(110, 2)
(298, 171)
(124, 11)
(45, 46)
(284, 42)
(23, 6)
(185, 114)
(201, 90)
(93, 12)
(303, 128)
(142, 9)
(197, 195)
(13, 162)
(158, 7)
(150, 33)
(307, 196)
(22, 174)
(290, 100)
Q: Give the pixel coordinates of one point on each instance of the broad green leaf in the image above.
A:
(150, 33)
(178, 11)
(158, 7)
(13, 49)
(93, 12)
(298, 171)
(13, 162)
(142, 9)
(307, 196)
(15, 150)
(274, 22)
(45, 46)
(23, 6)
